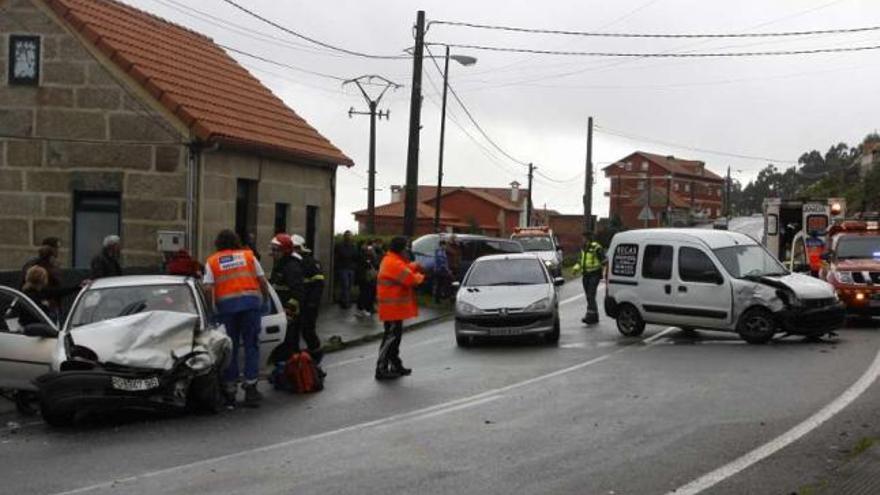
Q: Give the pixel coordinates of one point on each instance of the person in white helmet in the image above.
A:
(287, 280)
(313, 278)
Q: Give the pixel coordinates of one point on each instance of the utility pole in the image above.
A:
(588, 181)
(415, 119)
(648, 203)
(727, 197)
(373, 103)
(668, 200)
(529, 197)
(439, 190)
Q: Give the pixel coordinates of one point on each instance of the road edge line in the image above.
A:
(743, 462)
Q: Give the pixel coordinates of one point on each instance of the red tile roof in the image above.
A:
(197, 81)
(499, 196)
(396, 210)
(678, 166)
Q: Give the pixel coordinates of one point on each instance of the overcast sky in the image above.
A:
(536, 107)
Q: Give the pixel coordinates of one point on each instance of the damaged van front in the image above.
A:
(135, 347)
(772, 299)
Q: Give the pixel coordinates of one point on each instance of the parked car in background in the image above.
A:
(472, 247)
(142, 342)
(507, 295)
(541, 242)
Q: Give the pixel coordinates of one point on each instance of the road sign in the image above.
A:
(646, 214)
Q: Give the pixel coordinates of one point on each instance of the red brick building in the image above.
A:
(675, 191)
(491, 211)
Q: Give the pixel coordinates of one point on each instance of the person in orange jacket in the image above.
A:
(396, 296)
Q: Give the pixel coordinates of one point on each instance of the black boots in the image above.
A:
(252, 396)
(387, 374)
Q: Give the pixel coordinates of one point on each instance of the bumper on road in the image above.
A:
(95, 391)
(814, 321)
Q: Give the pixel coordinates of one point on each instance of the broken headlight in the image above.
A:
(789, 299)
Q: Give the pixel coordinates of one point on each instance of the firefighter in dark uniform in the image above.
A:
(313, 277)
(590, 263)
(288, 281)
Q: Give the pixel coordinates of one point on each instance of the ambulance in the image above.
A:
(803, 223)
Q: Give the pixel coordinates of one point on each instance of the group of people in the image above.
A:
(357, 265)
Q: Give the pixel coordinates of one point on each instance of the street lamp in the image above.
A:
(465, 61)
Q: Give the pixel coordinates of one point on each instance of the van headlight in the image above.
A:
(538, 306)
(467, 308)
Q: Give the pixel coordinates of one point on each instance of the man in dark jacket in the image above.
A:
(288, 281)
(314, 288)
(47, 254)
(346, 262)
(106, 263)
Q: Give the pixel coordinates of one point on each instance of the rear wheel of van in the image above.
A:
(629, 321)
(756, 326)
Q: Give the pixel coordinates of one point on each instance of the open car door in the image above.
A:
(23, 357)
(273, 327)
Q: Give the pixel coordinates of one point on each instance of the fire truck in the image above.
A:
(540, 241)
(852, 264)
(800, 220)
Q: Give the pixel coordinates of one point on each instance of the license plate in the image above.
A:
(503, 332)
(134, 384)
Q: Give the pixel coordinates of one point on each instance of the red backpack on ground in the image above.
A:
(303, 375)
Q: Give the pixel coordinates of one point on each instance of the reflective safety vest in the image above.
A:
(395, 288)
(591, 260)
(236, 285)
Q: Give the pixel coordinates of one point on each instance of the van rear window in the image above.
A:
(625, 258)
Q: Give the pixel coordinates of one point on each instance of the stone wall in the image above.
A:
(80, 130)
(299, 185)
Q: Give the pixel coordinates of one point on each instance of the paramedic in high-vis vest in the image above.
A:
(237, 287)
(590, 263)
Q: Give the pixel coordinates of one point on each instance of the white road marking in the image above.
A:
(653, 338)
(364, 358)
(571, 299)
(430, 411)
(726, 471)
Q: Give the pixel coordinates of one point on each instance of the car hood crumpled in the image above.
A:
(144, 340)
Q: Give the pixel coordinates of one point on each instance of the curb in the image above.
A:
(335, 344)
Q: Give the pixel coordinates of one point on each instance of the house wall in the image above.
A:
(296, 184)
(78, 99)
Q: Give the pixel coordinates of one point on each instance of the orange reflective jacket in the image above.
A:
(235, 276)
(395, 291)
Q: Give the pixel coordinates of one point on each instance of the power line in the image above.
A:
(595, 34)
(281, 64)
(635, 137)
(660, 54)
(471, 117)
(313, 40)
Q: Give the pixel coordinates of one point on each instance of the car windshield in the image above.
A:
(426, 245)
(506, 272)
(537, 243)
(857, 248)
(103, 304)
(749, 261)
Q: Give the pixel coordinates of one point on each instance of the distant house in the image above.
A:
(650, 190)
(115, 121)
(486, 210)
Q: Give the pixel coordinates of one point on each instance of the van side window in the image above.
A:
(624, 261)
(657, 263)
(695, 266)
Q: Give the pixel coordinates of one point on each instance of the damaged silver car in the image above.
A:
(139, 342)
(713, 280)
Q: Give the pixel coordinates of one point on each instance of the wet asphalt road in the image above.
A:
(598, 414)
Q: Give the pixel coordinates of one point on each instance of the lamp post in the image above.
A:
(465, 61)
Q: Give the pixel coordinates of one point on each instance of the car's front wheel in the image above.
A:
(463, 340)
(757, 326)
(629, 321)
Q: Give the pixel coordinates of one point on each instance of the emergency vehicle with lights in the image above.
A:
(540, 241)
(800, 225)
(852, 265)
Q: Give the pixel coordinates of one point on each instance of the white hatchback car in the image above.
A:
(126, 341)
(714, 280)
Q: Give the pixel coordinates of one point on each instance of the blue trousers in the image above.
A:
(243, 328)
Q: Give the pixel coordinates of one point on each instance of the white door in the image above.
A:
(274, 326)
(771, 226)
(22, 358)
(703, 295)
(655, 285)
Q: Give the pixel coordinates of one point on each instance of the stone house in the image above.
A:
(113, 120)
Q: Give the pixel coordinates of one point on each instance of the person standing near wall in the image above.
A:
(346, 262)
(289, 283)
(313, 279)
(396, 285)
(106, 263)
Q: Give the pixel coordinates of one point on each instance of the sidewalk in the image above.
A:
(860, 476)
(339, 328)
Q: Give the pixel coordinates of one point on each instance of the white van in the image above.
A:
(714, 280)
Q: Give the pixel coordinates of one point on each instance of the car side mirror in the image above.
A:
(41, 330)
(558, 281)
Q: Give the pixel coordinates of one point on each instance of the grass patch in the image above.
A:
(861, 446)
